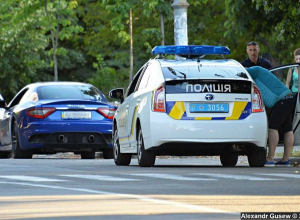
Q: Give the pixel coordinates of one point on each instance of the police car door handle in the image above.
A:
(127, 106)
(138, 101)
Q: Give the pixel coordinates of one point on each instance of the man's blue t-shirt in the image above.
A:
(271, 88)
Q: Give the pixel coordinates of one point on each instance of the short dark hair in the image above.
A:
(252, 43)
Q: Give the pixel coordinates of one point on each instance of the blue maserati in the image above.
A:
(52, 117)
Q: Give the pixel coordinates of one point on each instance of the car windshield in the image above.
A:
(70, 92)
(199, 72)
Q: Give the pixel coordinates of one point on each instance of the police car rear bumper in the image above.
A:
(163, 129)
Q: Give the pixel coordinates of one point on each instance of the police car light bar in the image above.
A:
(191, 50)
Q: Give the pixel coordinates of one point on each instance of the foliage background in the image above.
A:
(94, 36)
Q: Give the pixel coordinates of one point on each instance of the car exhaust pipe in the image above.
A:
(237, 147)
(61, 138)
(91, 138)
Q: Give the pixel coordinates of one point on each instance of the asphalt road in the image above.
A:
(176, 188)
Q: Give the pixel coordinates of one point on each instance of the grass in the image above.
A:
(295, 153)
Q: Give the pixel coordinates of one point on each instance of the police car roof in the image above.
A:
(193, 62)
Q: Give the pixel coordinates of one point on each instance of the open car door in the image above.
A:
(281, 72)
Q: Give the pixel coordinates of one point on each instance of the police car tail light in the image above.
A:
(257, 103)
(159, 104)
(107, 112)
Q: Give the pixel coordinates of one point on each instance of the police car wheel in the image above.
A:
(146, 158)
(257, 158)
(88, 155)
(229, 159)
(119, 158)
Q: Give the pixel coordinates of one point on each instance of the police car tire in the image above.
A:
(229, 159)
(119, 158)
(146, 158)
(88, 155)
(257, 158)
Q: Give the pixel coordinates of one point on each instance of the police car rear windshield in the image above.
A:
(197, 72)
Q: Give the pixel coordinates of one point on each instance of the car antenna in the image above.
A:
(198, 61)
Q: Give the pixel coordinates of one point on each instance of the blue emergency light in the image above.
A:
(191, 50)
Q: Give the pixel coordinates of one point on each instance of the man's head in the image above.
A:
(297, 55)
(252, 51)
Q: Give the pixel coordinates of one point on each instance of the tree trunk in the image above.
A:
(131, 46)
(54, 51)
(55, 66)
(162, 29)
(54, 40)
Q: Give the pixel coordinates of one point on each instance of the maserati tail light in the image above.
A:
(41, 113)
(107, 112)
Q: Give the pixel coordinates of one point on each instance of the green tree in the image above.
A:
(287, 26)
(24, 39)
(107, 77)
(23, 45)
(104, 52)
(58, 20)
(92, 38)
(249, 20)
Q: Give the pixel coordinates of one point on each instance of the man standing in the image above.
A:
(253, 58)
(277, 96)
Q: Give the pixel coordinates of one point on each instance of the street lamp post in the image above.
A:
(180, 22)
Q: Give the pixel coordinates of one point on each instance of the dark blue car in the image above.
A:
(51, 117)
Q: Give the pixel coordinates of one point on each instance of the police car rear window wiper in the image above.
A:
(243, 75)
(219, 75)
(174, 72)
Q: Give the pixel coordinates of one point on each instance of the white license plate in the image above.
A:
(76, 115)
(209, 108)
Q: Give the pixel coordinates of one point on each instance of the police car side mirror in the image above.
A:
(2, 104)
(117, 94)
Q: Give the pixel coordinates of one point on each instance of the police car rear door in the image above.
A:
(281, 72)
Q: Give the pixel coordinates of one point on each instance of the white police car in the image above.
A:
(190, 106)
